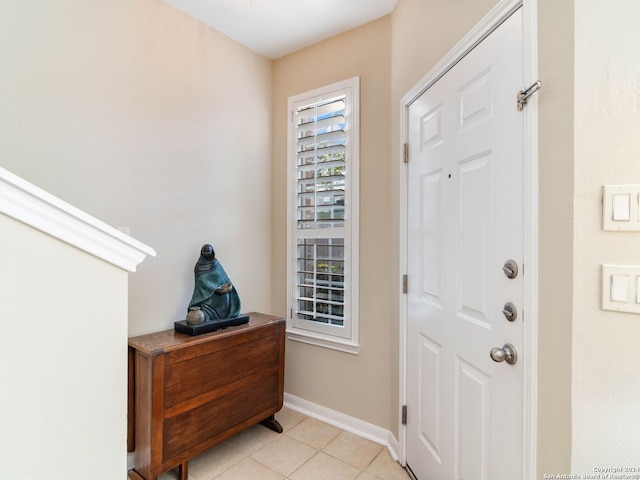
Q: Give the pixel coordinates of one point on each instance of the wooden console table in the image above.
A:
(188, 393)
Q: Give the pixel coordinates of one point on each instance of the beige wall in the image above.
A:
(63, 359)
(357, 385)
(148, 119)
(556, 274)
(606, 356)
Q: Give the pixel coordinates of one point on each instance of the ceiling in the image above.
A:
(274, 28)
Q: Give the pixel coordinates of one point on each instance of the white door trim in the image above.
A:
(530, 57)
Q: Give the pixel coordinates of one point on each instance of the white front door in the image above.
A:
(465, 220)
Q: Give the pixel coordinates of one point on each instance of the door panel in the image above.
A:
(465, 219)
(473, 391)
(429, 393)
(430, 192)
(475, 211)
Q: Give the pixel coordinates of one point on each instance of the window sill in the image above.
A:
(334, 343)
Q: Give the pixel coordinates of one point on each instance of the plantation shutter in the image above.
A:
(324, 151)
(321, 172)
(321, 164)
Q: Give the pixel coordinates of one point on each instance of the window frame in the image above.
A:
(343, 338)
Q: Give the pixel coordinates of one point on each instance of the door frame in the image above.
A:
(530, 63)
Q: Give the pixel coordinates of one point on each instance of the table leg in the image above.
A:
(183, 471)
(272, 424)
(133, 475)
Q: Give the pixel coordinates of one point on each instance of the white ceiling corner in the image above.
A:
(274, 28)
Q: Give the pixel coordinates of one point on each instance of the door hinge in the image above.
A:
(291, 313)
(523, 95)
(406, 153)
(404, 415)
(405, 283)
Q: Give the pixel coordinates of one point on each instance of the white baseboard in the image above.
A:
(354, 425)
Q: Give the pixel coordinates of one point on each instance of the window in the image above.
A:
(322, 277)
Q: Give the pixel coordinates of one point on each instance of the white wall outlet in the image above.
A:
(621, 208)
(621, 288)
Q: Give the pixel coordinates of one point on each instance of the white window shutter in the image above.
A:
(323, 216)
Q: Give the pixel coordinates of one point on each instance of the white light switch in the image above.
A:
(621, 288)
(621, 208)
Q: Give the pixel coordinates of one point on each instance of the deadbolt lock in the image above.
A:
(510, 268)
(510, 311)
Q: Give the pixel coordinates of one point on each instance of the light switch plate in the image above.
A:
(621, 208)
(621, 288)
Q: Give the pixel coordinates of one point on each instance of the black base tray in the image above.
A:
(211, 326)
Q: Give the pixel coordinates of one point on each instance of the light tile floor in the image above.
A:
(308, 449)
